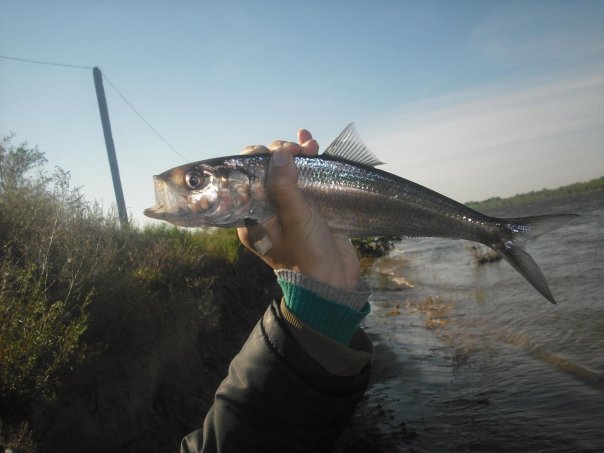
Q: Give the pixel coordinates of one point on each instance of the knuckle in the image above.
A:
(254, 149)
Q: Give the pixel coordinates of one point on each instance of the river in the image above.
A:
(470, 357)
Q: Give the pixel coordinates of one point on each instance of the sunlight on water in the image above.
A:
(485, 362)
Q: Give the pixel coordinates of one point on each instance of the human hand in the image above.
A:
(301, 240)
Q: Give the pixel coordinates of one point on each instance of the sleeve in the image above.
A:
(278, 397)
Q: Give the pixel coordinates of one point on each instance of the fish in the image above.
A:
(353, 197)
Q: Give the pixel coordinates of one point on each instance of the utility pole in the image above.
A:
(115, 172)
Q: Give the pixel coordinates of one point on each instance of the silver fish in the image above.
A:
(354, 198)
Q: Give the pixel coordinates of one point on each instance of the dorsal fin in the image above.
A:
(348, 145)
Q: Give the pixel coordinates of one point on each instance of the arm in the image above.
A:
(297, 380)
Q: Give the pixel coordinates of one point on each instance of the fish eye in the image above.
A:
(193, 179)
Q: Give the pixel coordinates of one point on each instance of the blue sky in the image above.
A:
(471, 98)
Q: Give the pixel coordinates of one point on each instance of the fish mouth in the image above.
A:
(155, 212)
(180, 216)
(166, 202)
(171, 206)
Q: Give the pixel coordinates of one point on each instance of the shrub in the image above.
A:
(37, 338)
(43, 299)
(82, 298)
(107, 332)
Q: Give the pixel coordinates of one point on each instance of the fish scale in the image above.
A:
(400, 207)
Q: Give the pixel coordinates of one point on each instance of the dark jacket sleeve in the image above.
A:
(277, 398)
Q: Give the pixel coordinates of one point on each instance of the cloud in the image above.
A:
(499, 140)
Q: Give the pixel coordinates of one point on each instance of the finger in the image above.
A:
(254, 231)
(310, 147)
(280, 145)
(283, 190)
(254, 149)
(304, 136)
(257, 238)
(276, 144)
(268, 234)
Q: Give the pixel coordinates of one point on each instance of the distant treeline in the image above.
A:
(579, 187)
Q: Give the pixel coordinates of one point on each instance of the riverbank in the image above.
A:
(411, 367)
(470, 358)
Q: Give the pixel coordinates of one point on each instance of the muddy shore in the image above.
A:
(397, 413)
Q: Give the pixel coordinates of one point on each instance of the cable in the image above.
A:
(143, 119)
(26, 60)
(51, 63)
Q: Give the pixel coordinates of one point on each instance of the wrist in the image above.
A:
(328, 277)
(332, 311)
(354, 298)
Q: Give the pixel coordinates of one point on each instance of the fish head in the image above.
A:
(209, 193)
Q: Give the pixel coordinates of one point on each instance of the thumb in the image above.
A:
(283, 188)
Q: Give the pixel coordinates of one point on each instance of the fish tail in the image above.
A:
(517, 232)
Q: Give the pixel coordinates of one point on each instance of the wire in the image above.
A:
(51, 63)
(143, 119)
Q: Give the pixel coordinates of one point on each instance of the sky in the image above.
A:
(472, 98)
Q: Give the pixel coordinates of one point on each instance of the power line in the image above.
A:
(143, 119)
(51, 63)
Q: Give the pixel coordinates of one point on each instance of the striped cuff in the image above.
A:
(331, 311)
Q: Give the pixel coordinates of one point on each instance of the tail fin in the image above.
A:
(512, 249)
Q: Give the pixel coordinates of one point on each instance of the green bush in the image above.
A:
(81, 297)
(43, 298)
(37, 338)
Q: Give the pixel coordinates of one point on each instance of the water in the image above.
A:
(482, 362)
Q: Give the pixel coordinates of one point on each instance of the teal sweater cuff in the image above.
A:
(335, 320)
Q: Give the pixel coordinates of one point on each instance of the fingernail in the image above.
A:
(280, 159)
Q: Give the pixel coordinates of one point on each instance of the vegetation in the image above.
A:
(103, 327)
(374, 247)
(483, 255)
(497, 202)
(40, 332)
(113, 339)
